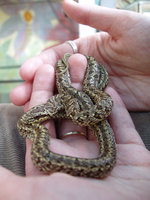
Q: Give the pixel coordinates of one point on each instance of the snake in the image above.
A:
(89, 107)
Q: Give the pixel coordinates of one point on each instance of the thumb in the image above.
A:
(98, 17)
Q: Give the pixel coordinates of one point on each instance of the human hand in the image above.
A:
(123, 48)
(129, 169)
(74, 145)
(130, 178)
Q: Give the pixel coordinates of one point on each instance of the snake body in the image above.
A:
(89, 107)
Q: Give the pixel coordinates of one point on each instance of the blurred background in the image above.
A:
(28, 27)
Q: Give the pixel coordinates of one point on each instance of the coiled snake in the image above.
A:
(89, 107)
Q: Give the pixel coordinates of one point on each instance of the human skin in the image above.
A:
(122, 54)
(117, 49)
(130, 178)
(123, 47)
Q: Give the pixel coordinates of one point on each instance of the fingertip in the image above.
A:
(77, 63)
(21, 94)
(66, 2)
(70, 7)
(29, 68)
(98, 17)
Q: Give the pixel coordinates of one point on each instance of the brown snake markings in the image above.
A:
(89, 107)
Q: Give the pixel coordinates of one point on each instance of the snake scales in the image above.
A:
(89, 107)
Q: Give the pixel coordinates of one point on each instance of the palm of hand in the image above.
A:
(132, 169)
(126, 57)
(130, 178)
(123, 48)
(128, 66)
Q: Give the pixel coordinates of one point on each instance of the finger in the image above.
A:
(67, 126)
(121, 122)
(49, 56)
(21, 93)
(53, 54)
(77, 67)
(99, 17)
(43, 88)
(43, 85)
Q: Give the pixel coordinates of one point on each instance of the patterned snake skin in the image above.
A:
(89, 107)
